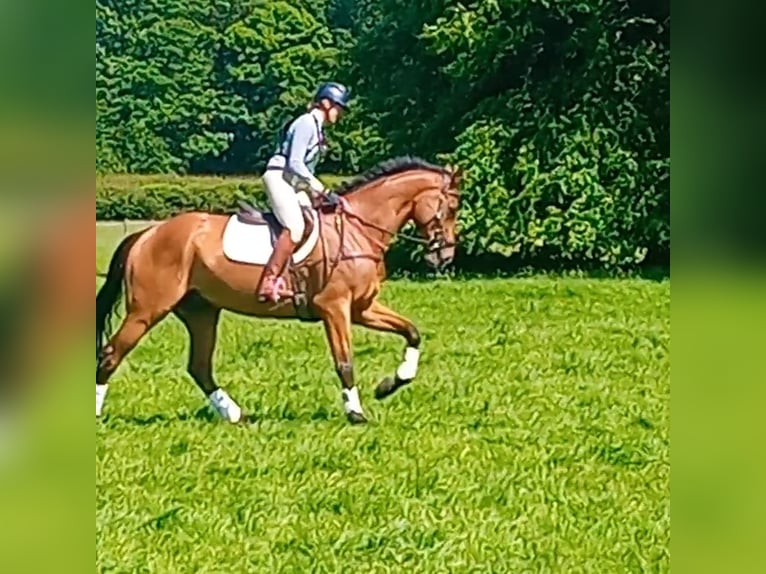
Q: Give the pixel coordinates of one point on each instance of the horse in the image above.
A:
(196, 264)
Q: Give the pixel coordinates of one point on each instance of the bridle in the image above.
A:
(438, 240)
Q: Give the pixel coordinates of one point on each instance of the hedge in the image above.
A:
(121, 197)
(156, 197)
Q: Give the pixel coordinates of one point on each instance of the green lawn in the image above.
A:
(535, 439)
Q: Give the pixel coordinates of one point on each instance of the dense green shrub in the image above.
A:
(586, 207)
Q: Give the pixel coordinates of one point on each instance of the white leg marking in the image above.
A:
(409, 367)
(225, 405)
(351, 401)
(100, 398)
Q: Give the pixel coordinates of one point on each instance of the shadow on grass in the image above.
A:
(403, 263)
(251, 416)
(203, 414)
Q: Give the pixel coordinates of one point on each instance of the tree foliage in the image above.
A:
(558, 111)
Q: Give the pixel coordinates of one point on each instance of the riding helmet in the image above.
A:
(335, 92)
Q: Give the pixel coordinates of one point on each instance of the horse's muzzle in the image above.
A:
(440, 258)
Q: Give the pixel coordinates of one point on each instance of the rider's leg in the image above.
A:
(288, 212)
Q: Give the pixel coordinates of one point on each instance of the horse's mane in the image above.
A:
(387, 168)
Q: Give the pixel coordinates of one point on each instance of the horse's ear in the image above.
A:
(456, 174)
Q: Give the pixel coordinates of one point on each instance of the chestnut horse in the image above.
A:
(179, 266)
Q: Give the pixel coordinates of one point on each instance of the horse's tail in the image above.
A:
(111, 290)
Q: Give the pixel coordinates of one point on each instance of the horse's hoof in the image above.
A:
(356, 418)
(387, 387)
(245, 420)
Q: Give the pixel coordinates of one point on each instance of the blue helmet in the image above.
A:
(337, 93)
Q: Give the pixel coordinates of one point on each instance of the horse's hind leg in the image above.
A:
(146, 308)
(135, 325)
(201, 321)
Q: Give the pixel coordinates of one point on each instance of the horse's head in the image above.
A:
(407, 189)
(435, 215)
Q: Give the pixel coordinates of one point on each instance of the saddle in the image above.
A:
(253, 215)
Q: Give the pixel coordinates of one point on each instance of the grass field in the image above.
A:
(535, 439)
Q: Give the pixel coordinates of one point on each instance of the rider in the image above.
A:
(290, 168)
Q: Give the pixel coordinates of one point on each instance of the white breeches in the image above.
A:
(286, 203)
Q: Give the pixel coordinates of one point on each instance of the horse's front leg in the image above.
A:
(381, 318)
(337, 324)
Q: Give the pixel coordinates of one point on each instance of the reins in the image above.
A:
(352, 214)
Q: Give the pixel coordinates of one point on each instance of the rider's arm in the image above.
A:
(304, 131)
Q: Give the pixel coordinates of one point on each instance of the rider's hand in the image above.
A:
(326, 197)
(317, 198)
(332, 198)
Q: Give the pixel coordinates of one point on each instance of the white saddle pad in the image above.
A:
(253, 243)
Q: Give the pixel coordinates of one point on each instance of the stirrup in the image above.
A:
(274, 289)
